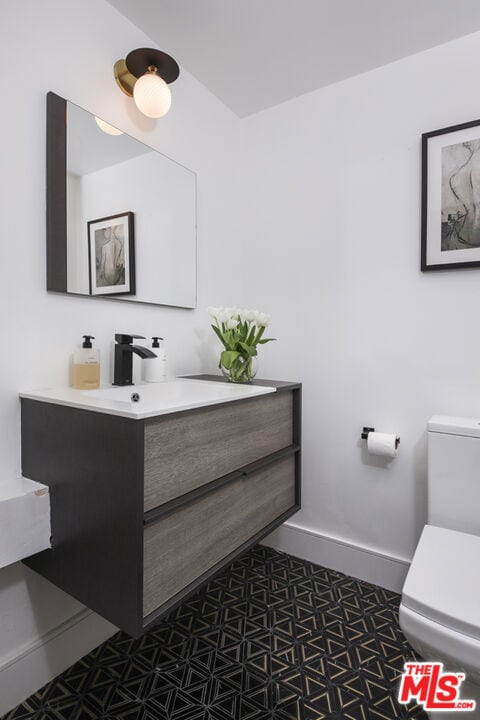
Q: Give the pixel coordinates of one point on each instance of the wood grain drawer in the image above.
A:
(188, 542)
(187, 450)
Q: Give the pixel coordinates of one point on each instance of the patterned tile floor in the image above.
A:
(272, 638)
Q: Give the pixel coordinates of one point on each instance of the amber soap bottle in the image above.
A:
(86, 365)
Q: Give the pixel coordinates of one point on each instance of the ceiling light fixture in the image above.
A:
(145, 75)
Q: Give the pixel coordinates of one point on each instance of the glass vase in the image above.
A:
(243, 370)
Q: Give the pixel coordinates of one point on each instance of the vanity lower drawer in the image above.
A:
(185, 544)
(187, 450)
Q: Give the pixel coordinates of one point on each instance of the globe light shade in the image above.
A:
(152, 95)
(109, 129)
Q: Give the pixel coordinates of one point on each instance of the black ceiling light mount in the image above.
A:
(145, 74)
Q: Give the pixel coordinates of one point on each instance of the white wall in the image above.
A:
(72, 49)
(330, 189)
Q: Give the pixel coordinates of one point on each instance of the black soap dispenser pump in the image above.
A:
(155, 369)
(86, 365)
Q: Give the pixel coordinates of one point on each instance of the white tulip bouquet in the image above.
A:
(239, 331)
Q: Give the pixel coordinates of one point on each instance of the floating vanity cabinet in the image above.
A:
(145, 510)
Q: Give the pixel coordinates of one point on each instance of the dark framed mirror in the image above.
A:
(121, 217)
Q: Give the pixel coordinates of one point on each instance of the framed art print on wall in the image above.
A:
(451, 197)
(111, 255)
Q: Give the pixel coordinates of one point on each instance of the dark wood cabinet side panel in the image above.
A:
(93, 465)
(297, 439)
(189, 449)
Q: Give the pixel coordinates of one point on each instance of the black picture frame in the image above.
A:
(111, 255)
(436, 232)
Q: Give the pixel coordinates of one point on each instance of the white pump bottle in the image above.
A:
(155, 369)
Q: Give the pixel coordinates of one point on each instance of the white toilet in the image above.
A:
(440, 607)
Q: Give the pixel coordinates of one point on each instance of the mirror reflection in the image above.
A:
(131, 225)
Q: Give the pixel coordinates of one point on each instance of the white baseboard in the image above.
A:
(40, 661)
(360, 562)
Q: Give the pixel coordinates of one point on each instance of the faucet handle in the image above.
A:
(124, 339)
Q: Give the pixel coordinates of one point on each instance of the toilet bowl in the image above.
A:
(458, 652)
(440, 606)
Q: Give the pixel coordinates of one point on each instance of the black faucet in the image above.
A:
(123, 368)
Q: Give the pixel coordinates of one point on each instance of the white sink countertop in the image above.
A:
(154, 398)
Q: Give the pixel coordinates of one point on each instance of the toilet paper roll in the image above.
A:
(382, 444)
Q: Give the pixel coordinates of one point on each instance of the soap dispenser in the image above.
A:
(86, 365)
(155, 369)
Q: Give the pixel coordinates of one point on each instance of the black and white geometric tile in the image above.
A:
(272, 638)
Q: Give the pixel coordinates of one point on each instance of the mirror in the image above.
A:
(121, 217)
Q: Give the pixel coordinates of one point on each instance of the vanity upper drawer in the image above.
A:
(182, 546)
(192, 448)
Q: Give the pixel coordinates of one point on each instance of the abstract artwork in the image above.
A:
(451, 197)
(111, 255)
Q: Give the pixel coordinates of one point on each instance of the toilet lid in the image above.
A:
(443, 582)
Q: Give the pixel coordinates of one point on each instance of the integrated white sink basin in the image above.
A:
(149, 399)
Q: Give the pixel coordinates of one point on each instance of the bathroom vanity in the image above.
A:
(151, 499)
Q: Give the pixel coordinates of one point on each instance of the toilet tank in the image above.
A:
(454, 473)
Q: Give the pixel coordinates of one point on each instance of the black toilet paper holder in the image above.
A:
(367, 430)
